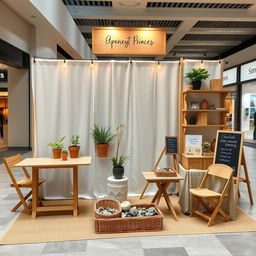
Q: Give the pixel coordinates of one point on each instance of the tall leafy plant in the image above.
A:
(118, 161)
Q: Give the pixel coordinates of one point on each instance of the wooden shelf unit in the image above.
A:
(203, 121)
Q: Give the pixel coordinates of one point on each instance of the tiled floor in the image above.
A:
(227, 244)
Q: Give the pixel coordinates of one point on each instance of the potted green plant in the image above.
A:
(118, 161)
(57, 147)
(74, 148)
(206, 148)
(196, 75)
(64, 155)
(102, 137)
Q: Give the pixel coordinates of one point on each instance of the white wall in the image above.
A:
(18, 104)
(55, 12)
(248, 89)
(14, 29)
(240, 57)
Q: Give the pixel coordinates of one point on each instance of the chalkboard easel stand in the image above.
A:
(246, 179)
(175, 163)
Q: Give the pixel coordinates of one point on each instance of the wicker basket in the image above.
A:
(130, 224)
(107, 203)
(165, 174)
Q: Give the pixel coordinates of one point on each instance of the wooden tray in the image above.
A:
(130, 224)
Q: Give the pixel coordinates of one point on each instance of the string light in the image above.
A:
(201, 65)
(92, 64)
(158, 64)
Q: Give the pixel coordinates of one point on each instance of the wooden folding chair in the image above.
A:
(26, 182)
(215, 199)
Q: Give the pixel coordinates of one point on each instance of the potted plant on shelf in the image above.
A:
(206, 148)
(57, 147)
(64, 155)
(118, 161)
(196, 75)
(74, 148)
(102, 137)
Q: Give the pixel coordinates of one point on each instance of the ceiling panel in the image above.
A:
(218, 26)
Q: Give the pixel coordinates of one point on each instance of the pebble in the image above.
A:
(106, 210)
(139, 212)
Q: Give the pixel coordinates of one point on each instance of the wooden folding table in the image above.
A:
(162, 184)
(50, 163)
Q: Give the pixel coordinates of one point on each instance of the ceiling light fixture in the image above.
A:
(130, 3)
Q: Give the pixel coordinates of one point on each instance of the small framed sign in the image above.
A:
(3, 75)
(171, 145)
(193, 145)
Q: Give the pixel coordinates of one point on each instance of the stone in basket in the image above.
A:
(165, 172)
(107, 208)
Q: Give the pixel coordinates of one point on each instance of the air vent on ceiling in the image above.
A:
(128, 23)
(87, 35)
(210, 37)
(88, 3)
(197, 5)
(225, 24)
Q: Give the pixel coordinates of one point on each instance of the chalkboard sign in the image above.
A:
(228, 149)
(171, 145)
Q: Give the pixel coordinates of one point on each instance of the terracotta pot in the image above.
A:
(118, 172)
(56, 153)
(102, 150)
(74, 151)
(189, 87)
(64, 156)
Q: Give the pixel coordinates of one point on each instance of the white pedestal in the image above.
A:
(117, 188)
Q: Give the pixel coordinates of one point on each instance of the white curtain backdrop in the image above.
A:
(68, 98)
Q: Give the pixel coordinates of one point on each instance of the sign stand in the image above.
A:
(170, 148)
(229, 151)
(246, 179)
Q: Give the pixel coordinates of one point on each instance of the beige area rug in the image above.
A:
(64, 227)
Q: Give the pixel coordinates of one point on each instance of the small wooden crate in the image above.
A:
(165, 174)
(130, 224)
(216, 84)
(107, 203)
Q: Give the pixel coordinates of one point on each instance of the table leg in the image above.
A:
(165, 185)
(75, 191)
(156, 196)
(162, 187)
(34, 191)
